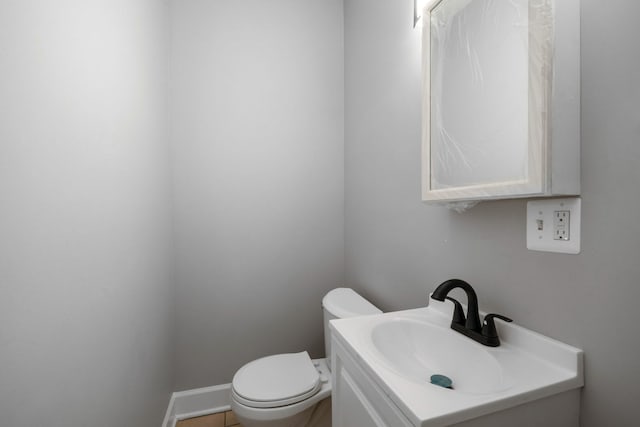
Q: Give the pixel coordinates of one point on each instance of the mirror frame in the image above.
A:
(537, 182)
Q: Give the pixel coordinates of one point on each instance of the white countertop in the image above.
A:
(533, 367)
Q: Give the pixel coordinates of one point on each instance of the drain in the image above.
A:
(442, 381)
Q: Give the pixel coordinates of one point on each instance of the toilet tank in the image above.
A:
(341, 303)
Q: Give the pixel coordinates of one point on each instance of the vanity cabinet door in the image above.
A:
(356, 400)
(351, 408)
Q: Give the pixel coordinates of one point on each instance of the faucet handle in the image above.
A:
(458, 312)
(489, 326)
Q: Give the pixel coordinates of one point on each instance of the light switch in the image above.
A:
(553, 225)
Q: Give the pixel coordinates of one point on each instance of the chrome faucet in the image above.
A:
(469, 325)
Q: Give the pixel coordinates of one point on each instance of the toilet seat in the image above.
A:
(276, 381)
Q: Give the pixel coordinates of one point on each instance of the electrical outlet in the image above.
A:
(561, 225)
(553, 225)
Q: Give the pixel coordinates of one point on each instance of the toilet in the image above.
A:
(292, 390)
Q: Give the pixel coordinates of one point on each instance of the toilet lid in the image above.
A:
(279, 380)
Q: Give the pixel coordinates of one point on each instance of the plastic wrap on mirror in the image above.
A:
(488, 98)
(461, 205)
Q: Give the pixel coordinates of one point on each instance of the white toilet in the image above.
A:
(291, 390)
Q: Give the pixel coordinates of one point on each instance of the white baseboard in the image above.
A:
(197, 402)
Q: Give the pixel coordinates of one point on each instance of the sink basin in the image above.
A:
(417, 350)
(400, 351)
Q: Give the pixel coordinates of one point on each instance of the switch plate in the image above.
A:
(553, 225)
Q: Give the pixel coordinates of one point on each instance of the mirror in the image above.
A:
(487, 103)
(479, 91)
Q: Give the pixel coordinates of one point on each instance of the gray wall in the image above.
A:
(257, 142)
(399, 249)
(85, 295)
(257, 145)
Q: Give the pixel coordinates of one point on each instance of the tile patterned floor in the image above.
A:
(224, 419)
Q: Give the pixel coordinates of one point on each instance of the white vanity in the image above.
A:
(382, 365)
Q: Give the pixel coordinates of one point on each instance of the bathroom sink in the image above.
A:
(417, 350)
(400, 351)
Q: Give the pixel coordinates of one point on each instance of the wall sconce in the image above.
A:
(418, 7)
